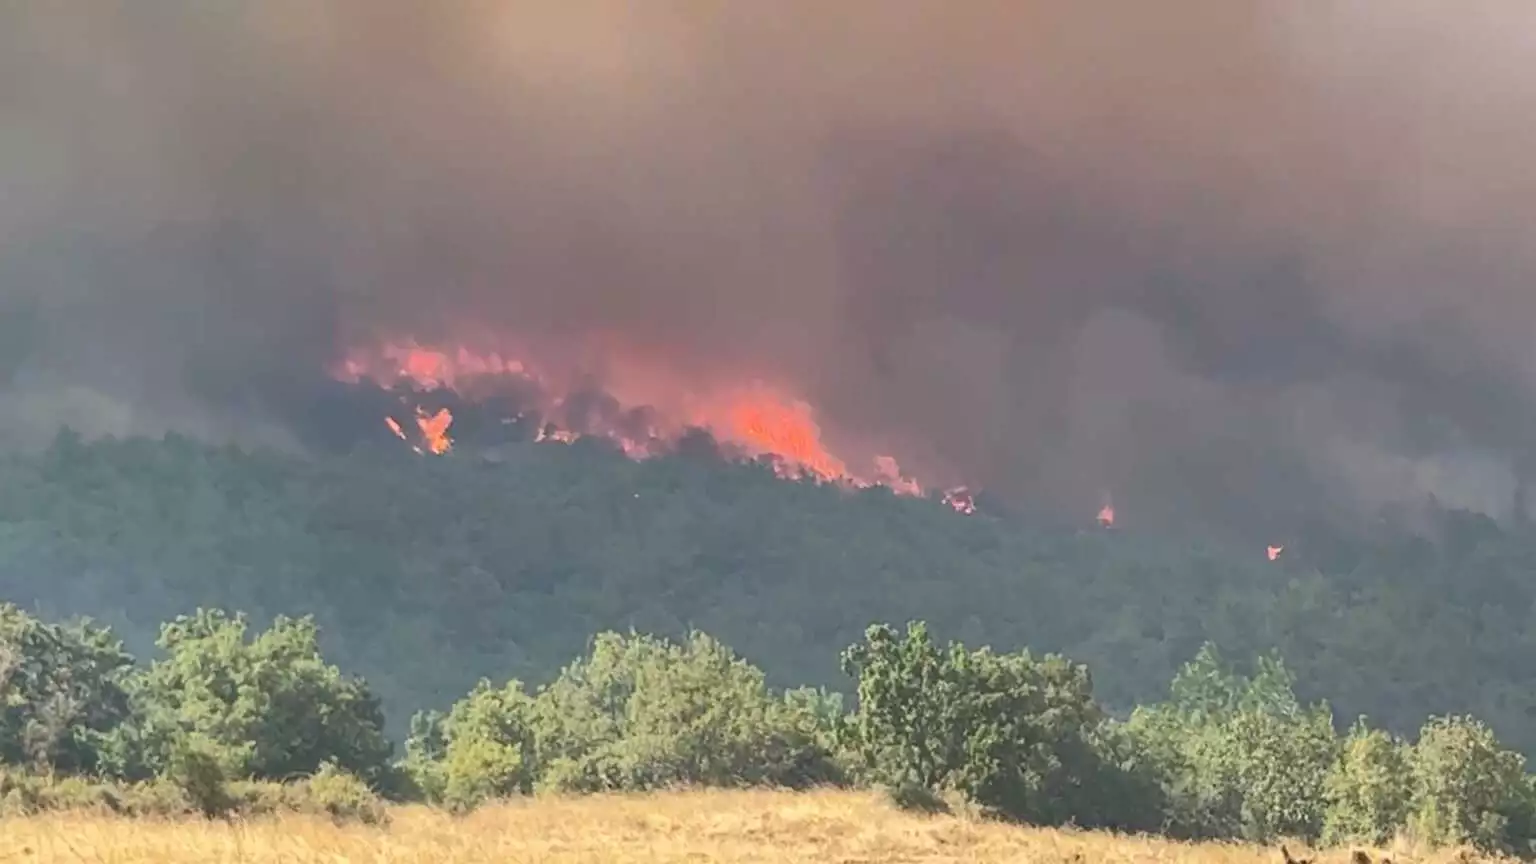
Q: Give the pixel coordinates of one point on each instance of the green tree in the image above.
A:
(62, 692)
(1468, 788)
(640, 712)
(425, 748)
(1369, 789)
(272, 703)
(487, 746)
(1020, 736)
(1239, 756)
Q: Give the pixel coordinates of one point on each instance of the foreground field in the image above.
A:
(822, 827)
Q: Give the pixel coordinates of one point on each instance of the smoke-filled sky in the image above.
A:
(1213, 256)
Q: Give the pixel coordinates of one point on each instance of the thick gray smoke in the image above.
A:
(1229, 260)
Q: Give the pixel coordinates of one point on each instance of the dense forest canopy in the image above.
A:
(427, 573)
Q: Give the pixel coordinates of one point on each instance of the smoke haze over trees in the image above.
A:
(1230, 262)
(1244, 275)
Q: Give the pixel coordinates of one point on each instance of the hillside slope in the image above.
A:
(428, 573)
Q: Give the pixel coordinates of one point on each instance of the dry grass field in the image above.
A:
(822, 827)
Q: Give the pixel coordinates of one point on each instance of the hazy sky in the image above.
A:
(1219, 259)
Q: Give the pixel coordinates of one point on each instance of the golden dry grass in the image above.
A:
(786, 828)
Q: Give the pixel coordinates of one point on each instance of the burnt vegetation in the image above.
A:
(484, 572)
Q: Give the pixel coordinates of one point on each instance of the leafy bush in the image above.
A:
(157, 797)
(644, 713)
(1238, 756)
(488, 749)
(330, 792)
(200, 767)
(271, 708)
(1468, 788)
(917, 799)
(226, 726)
(1016, 735)
(1369, 789)
(61, 692)
(420, 776)
(343, 796)
(1283, 764)
(23, 794)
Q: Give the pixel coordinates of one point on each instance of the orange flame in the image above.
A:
(434, 430)
(757, 419)
(1274, 552)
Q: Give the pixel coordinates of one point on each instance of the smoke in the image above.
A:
(1227, 261)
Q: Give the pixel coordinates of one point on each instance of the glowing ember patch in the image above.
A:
(961, 500)
(559, 435)
(1107, 515)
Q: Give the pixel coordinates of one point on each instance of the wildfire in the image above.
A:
(654, 409)
(1107, 515)
(434, 430)
(1274, 552)
(432, 427)
(961, 499)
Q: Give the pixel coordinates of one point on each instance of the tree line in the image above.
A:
(427, 574)
(225, 720)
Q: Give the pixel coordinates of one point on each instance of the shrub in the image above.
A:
(1238, 756)
(343, 796)
(273, 700)
(1283, 764)
(645, 713)
(157, 797)
(914, 798)
(61, 692)
(487, 749)
(1468, 789)
(22, 794)
(199, 768)
(1369, 790)
(1017, 736)
(421, 775)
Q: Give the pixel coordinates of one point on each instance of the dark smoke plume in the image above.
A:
(1224, 259)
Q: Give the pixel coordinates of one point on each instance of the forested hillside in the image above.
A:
(426, 574)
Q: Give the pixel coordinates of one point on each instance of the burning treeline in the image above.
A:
(643, 409)
(750, 420)
(1185, 254)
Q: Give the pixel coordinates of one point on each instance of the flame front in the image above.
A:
(756, 419)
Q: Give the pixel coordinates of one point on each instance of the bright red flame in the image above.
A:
(755, 418)
(1107, 515)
